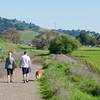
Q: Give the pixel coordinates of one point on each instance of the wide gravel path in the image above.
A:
(19, 90)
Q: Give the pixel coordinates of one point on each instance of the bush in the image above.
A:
(76, 94)
(53, 82)
(90, 87)
(63, 44)
(45, 88)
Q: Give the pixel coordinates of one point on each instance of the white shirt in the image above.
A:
(25, 59)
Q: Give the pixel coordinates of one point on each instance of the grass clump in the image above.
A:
(53, 82)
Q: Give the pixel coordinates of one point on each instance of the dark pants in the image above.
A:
(25, 70)
(9, 71)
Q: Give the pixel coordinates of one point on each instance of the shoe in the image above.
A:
(24, 81)
(11, 81)
(27, 81)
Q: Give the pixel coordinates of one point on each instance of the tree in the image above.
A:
(43, 39)
(13, 35)
(93, 41)
(63, 44)
(88, 38)
(39, 43)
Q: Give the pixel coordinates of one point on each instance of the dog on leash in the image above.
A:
(38, 74)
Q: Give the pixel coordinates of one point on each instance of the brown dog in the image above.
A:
(38, 74)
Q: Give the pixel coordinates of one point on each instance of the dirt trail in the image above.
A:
(18, 90)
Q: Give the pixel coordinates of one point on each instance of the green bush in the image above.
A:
(53, 82)
(63, 44)
(76, 94)
(46, 64)
(45, 88)
(90, 87)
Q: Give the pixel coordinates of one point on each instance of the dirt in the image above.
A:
(19, 90)
(64, 58)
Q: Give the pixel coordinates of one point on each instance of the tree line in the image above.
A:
(86, 38)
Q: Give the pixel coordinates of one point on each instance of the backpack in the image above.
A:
(10, 63)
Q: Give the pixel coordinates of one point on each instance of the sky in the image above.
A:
(59, 14)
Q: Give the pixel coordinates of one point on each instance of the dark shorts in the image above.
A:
(9, 71)
(25, 70)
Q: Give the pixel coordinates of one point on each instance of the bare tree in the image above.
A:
(13, 35)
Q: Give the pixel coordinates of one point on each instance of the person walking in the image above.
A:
(9, 66)
(25, 64)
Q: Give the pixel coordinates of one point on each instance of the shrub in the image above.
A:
(63, 44)
(53, 82)
(90, 87)
(45, 88)
(86, 86)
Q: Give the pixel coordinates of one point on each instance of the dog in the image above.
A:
(38, 74)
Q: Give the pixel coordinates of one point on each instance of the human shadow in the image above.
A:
(11, 82)
(3, 82)
(15, 82)
(31, 80)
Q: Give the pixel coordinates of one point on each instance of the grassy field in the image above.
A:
(90, 55)
(11, 47)
(15, 48)
(27, 35)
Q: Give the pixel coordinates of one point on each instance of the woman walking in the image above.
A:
(9, 66)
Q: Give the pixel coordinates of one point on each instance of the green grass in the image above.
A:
(53, 83)
(15, 48)
(58, 84)
(27, 35)
(91, 55)
(10, 46)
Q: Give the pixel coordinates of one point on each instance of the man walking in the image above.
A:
(25, 64)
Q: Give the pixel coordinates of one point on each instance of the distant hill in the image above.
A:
(29, 30)
(5, 24)
(76, 33)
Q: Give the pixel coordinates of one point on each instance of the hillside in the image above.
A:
(28, 30)
(5, 24)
